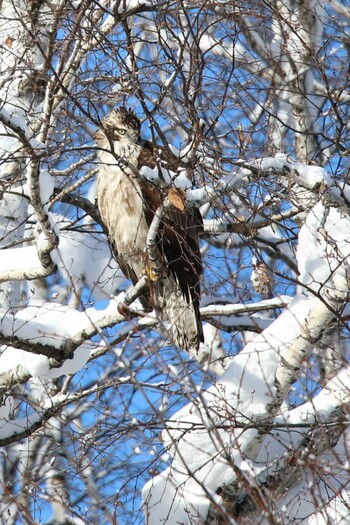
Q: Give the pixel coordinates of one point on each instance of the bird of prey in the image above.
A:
(127, 205)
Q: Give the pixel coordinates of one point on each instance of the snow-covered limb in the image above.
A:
(17, 125)
(48, 238)
(30, 329)
(89, 323)
(230, 318)
(206, 435)
(44, 331)
(244, 226)
(313, 179)
(207, 446)
(81, 257)
(27, 273)
(310, 177)
(236, 309)
(296, 438)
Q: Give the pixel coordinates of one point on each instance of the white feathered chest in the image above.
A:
(120, 200)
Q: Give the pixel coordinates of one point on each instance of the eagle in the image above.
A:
(127, 204)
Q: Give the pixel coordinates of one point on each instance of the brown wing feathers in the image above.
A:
(180, 247)
(178, 237)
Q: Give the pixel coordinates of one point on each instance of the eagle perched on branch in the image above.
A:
(128, 204)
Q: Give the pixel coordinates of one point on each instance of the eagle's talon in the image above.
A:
(152, 273)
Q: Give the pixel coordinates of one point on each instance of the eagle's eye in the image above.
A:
(121, 131)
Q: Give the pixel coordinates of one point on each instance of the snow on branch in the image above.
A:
(33, 330)
(18, 126)
(208, 442)
(204, 434)
(296, 438)
(47, 240)
(21, 264)
(54, 334)
(312, 178)
(39, 185)
(237, 309)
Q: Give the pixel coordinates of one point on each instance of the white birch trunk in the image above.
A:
(297, 37)
(13, 208)
(24, 26)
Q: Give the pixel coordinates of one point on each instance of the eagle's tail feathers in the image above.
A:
(182, 313)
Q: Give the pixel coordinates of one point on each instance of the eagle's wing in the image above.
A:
(180, 245)
(178, 295)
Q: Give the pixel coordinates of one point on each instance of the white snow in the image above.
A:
(83, 257)
(182, 181)
(34, 364)
(19, 258)
(198, 195)
(47, 183)
(86, 258)
(324, 249)
(170, 178)
(131, 4)
(175, 495)
(16, 120)
(50, 323)
(12, 428)
(158, 175)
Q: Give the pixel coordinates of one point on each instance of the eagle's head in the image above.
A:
(122, 126)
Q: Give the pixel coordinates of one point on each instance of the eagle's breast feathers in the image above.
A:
(127, 205)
